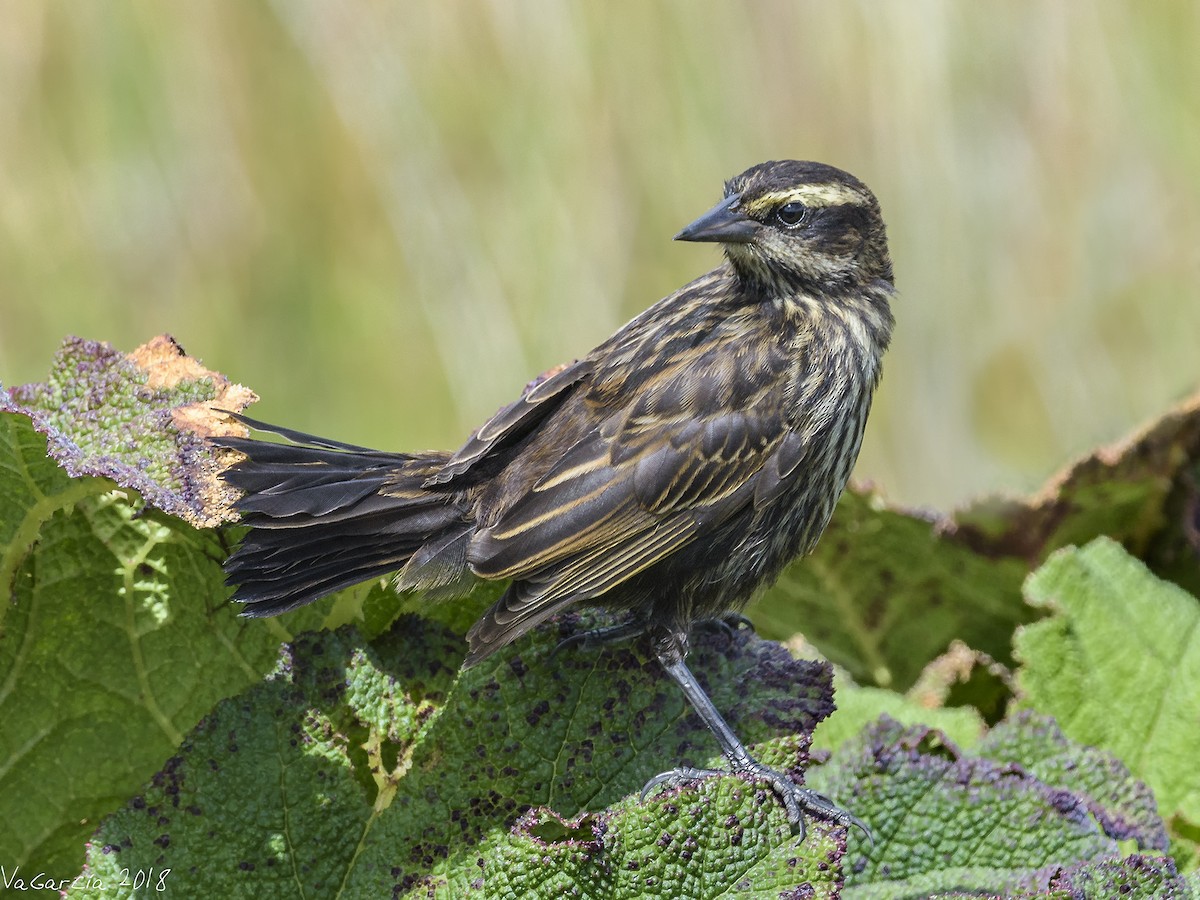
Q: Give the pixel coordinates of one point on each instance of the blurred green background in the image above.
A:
(386, 217)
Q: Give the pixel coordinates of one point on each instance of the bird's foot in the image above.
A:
(728, 623)
(797, 801)
(601, 637)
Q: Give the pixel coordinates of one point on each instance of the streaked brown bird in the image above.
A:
(667, 474)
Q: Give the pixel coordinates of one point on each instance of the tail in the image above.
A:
(324, 515)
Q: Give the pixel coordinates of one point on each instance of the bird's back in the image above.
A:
(705, 448)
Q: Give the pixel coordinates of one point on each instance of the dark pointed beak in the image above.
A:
(722, 223)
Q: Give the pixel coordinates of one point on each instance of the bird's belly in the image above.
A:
(760, 542)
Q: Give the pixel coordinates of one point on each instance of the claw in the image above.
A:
(580, 640)
(796, 800)
(728, 623)
(674, 778)
(738, 621)
(598, 637)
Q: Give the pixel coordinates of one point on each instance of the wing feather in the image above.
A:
(513, 421)
(624, 497)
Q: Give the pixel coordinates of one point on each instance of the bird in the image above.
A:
(664, 476)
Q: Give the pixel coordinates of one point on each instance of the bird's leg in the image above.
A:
(601, 637)
(796, 800)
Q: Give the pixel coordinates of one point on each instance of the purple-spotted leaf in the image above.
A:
(373, 768)
(139, 419)
(998, 823)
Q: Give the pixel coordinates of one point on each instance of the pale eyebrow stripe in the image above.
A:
(829, 194)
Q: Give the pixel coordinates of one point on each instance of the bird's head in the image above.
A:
(792, 224)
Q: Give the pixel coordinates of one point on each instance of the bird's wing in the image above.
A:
(697, 444)
(513, 421)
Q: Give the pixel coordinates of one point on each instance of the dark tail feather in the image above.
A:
(325, 515)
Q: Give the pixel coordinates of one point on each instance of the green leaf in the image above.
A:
(887, 590)
(111, 624)
(375, 767)
(1118, 665)
(1133, 878)
(859, 706)
(1123, 806)
(115, 638)
(1136, 877)
(727, 840)
(944, 821)
(1192, 884)
(1130, 491)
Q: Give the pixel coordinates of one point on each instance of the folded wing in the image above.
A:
(694, 448)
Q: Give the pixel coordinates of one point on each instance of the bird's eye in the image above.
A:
(792, 215)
